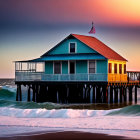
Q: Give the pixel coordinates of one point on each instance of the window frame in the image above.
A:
(110, 68)
(124, 69)
(120, 68)
(89, 68)
(75, 47)
(115, 70)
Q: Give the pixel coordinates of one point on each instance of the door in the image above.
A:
(72, 67)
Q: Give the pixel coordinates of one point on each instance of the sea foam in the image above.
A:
(54, 113)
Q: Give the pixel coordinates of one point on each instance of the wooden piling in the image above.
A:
(125, 94)
(98, 97)
(37, 93)
(116, 94)
(20, 93)
(33, 99)
(93, 99)
(130, 93)
(107, 94)
(28, 96)
(88, 94)
(135, 94)
(104, 93)
(111, 94)
(121, 92)
(17, 94)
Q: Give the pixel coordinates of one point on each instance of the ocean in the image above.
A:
(18, 118)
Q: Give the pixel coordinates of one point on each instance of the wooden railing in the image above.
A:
(133, 76)
(117, 77)
(40, 76)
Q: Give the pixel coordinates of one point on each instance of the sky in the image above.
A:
(29, 28)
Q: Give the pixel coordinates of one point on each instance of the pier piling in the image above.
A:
(17, 94)
(115, 94)
(33, 87)
(20, 93)
(111, 94)
(78, 92)
(121, 92)
(28, 96)
(130, 93)
(136, 94)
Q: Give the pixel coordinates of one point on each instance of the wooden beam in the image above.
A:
(135, 94)
(28, 96)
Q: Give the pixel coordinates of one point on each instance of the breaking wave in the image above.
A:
(68, 113)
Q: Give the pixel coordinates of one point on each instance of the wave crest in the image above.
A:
(133, 110)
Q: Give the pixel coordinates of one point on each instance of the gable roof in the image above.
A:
(100, 47)
(94, 44)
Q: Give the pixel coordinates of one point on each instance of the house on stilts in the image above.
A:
(79, 69)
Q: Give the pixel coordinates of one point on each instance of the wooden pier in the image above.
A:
(81, 92)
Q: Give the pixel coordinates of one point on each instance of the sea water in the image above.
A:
(18, 118)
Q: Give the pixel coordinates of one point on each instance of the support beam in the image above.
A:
(28, 98)
(125, 94)
(135, 94)
(121, 92)
(130, 93)
(33, 99)
(93, 94)
(36, 89)
(20, 93)
(98, 94)
(111, 94)
(107, 94)
(104, 93)
(88, 94)
(116, 94)
(17, 95)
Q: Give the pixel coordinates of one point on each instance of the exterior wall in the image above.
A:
(64, 67)
(81, 66)
(63, 48)
(49, 67)
(112, 77)
(101, 66)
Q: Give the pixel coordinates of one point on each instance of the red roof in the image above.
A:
(100, 47)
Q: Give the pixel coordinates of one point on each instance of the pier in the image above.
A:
(81, 92)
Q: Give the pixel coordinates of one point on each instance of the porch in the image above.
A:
(71, 70)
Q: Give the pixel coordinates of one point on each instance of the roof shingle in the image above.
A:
(100, 47)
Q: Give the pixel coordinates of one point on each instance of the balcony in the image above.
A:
(41, 76)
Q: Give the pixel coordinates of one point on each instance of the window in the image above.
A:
(120, 68)
(57, 67)
(124, 68)
(72, 67)
(110, 68)
(91, 66)
(115, 68)
(72, 47)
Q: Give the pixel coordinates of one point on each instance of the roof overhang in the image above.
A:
(67, 57)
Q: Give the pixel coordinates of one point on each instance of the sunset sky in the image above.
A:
(28, 28)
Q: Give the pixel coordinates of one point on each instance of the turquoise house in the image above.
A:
(76, 58)
(79, 69)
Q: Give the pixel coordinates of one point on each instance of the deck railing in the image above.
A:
(39, 76)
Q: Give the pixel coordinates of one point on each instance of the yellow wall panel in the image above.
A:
(116, 77)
